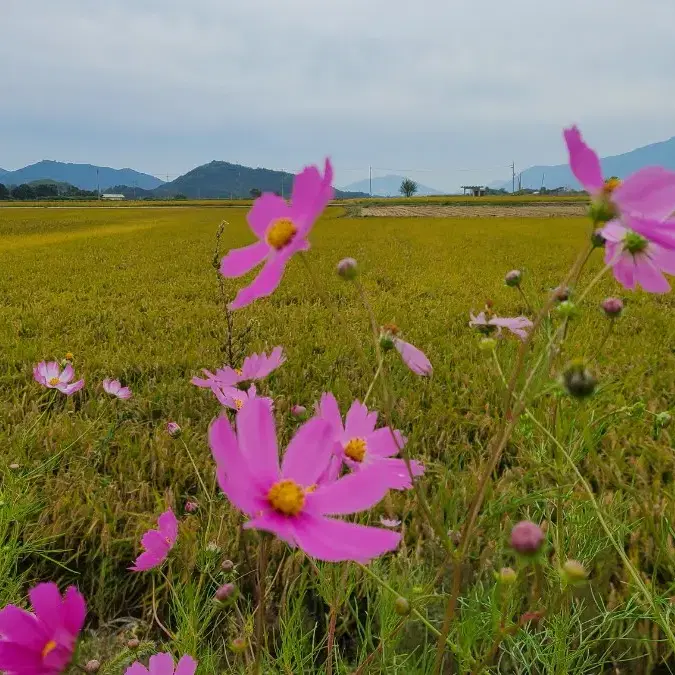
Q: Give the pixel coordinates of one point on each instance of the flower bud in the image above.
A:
(347, 269)
(561, 293)
(573, 572)
(298, 410)
(527, 538)
(173, 429)
(487, 345)
(612, 307)
(402, 606)
(506, 576)
(601, 211)
(513, 278)
(92, 666)
(134, 643)
(227, 565)
(597, 239)
(663, 419)
(386, 341)
(191, 507)
(578, 380)
(567, 309)
(14, 466)
(224, 592)
(238, 645)
(69, 357)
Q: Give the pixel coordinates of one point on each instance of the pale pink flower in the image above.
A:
(157, 543)
(518, 325)
(50, 375)
(254, 367)
(282, 230)
(413, 357)
(640, 240)
(235, 398)
(363, 448)
(173, 429)
(298, 410)
(388, 522)
(162, 664)
(114, 388)
(286, 499)
(41, 642)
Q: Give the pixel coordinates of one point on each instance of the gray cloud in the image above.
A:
(164, 85)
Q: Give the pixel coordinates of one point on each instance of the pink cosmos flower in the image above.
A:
(41, 642)
(414, 358)
(162, 664)
(235, 398)
(50, 375)
(286, 499)
(114, 388)
(640, 240)
(157, 543)
(363, 448)
(282, 230)
(518, 325)
(254, 367)
(173, 429)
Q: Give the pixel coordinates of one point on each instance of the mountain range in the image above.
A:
(388, 186)
(621, 166)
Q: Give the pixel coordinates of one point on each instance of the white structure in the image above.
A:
(112, 198)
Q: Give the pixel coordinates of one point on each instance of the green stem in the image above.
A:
(524, 297)
(372, 384)
(260, 614)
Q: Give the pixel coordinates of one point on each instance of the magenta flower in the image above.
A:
(640, 240)
(41, 643)
(50, 375)
(173, 429)
(527, 537)
(414, 358)
(114, 388)
(286, 499)
(157, 543)
(235, 398)
(363, 448)
(298, 410)
(518, 325)
(255, 367)
(282, 231)
(162, 664)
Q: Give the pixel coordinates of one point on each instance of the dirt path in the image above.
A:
(477, 211)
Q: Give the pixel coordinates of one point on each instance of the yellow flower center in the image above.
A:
(238, 403)
(610, 185)
(280, 233)
(69, 356)
(356, 449)
(239, 371)
(48, 648)
(54, 381)
(286, 497)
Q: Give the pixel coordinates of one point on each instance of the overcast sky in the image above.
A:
(433, 85)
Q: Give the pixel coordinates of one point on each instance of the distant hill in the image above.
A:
(83, 176)
(388, 186)
(222, 180)
(131, 192)
(662, 154)
(2, 172)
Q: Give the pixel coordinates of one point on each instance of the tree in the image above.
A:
(180, 197)
(46, 190)
(23, 192)
(408, 187)
(4, 192)
(255, 193)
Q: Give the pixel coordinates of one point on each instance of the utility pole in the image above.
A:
(513, 176)
(98, 184)
(283, 175)
(370, 180)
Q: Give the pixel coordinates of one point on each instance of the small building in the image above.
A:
(112, 197)
(475, 190)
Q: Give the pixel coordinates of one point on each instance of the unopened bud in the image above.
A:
(561, 293)
(513, 278)
(612, 307)
(347, 269)
(527, 538)
(70, 357)
(173, 429)
(134, 643)
(663, 419)
(506, 576)
(298, 410)
(578, 380)
(402, 606)
(487, 345)
(567, 309)
(386, 341)
(225, 592)
(92, 666)
(597, 239)
(573, 572)
(238, 645)
(191, 507)
(601, 211)
(227, 566)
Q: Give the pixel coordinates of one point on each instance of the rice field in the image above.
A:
(133, 294)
